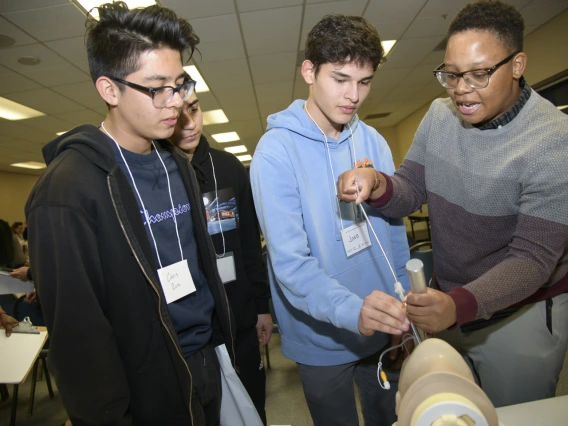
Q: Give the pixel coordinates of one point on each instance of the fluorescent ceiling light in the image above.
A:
(61, 133)
(200, 86)
(236, 149)
(244, 158)
(11, 110)
(87, 5)
(29, 165)
(215, 116)
(226, 137)
(561, 107)
(388, 45)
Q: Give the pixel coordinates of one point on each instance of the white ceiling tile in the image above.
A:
(529, 29)
(10, 30)
(57, 76)
(19, 130)
(427, 27)
(536, 14)
(9, 58)
(313, 13)
(273, 107)
(434, 58)
(388, 78)
(421, 75)
(200, 9)
(45, 100)
(76, 118)
(267, 45)
(248, 5)
(519, 4)
(392, 30)
(84, 66)
(219, 51)
(273, 68)
(393, 11)
(437, 8)
(12, 82)
(236, 94)
(402, 93)
(73, 49)
(208, 101)
(84, 93)
(226, 74)
(274, 91)
(271, 22)
(65, 21)
(217, 28)
(408, 53)
(19, 5)
(48, 124)
(241, 110)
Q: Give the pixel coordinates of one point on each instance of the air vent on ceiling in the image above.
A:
(379, 115)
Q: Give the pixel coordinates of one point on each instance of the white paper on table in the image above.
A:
(10, 285)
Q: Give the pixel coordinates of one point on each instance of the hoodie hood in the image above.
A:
(200, 156)
(295, 119)
(88, 140)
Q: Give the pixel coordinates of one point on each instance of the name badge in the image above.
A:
(176, 281)
(356, 238)
(226, 268)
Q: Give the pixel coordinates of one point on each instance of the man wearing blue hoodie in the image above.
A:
(332, 281)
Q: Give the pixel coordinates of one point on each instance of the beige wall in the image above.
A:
(14, 191)
(547, 49)
(389, 133)
(547, 52)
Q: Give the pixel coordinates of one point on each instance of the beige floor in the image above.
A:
(285, 403)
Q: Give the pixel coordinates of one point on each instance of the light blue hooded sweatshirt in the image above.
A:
(317, 290)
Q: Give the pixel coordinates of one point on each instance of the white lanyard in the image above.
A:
(362, 209)
(329, 158)
(218, 215)
(140, 197)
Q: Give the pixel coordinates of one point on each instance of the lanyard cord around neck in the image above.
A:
(140, 197)
(330, 164)
(218, 215)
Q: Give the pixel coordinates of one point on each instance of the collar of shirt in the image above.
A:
(515, 109)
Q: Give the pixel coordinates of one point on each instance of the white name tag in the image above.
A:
(176, 281)
(226, 267)
(356, 238)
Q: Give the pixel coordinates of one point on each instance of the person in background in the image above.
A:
(7, 322)
(122, 260)
(332, 284)
(233, 227)
(489, 160)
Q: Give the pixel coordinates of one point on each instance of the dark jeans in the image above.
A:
(206, 380)
(330, 393)
(251, 370)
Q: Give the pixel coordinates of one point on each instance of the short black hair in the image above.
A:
(116, 41)
(16, 225)
(341, 39)
(494, 16)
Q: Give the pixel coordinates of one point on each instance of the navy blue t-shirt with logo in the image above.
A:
(191, 315)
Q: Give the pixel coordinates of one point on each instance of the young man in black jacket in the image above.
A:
(232, 224)
(123, 264)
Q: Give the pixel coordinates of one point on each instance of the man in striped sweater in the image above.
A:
(490, 161)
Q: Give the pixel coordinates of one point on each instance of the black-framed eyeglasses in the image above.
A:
(161, 96)
(476, 79)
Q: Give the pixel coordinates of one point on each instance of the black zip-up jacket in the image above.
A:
(113, 349)
(249, 293)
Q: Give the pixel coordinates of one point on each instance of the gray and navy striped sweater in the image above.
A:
(498, 205)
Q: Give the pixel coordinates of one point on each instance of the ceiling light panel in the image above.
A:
(200, 85)
(11, 110)
(216, 116)
(236, 149)
(29, 165)
(226, 137)
(244, 158)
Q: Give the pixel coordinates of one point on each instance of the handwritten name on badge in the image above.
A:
(355, 238)
(176, 281)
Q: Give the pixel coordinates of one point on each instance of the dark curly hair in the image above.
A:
(116, 41)
(341, 39)
(499, 18)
